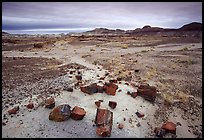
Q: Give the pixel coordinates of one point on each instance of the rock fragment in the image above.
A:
(78, 113)
(30, 106)
(110, 88)
(104, 121)
(159, 132)
(139, 114)
(60, 113)
(169, 127)
(98, 103)
(147, 92)
(112, 104)
(120, 126)
(113, 81)
(13, 110)
(78, 77)
(133, 94)
(103, 131)
(50, 103)
(91, 89)
(69, 89)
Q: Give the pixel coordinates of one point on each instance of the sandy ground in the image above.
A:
(35, 123)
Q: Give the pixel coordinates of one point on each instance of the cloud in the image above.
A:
(124, 15)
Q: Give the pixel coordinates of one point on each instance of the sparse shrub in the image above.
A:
(189, 62)
(185, 49)
(144, 51)
(124, 46)
(38, 45)
(182, 96)
(87, 55)
(96, 62)
(92, 50)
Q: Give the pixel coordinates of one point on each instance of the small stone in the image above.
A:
(119, 78)
(138, 124)
(127, 84)
(98, 103)
(169, 127)
(106, 74)
(13, 110)
(69, 89)
(139, 114)
(178, 124)
(78, 113)
(3, 123)
(30, 106)
(113, 81)
(78, 77)
(50, 103)
(159, 132)
(101, 78)
(91, 89)
(112, 104)
(120, 126)
(130, 120)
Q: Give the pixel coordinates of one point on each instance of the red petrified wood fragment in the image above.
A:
(134, 94)
(78, 113)
(30, 106)
(91, 89)
(50, 103)
(112, 104)
(13, 110)
(169, 127)
(139, 114)
(147, 92)
(104, 121)
(110, 88)
(60, 113)
(98, 103)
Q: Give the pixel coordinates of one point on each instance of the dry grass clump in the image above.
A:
(188, 62)
(38, 45)
(151, 73)
(184, 49)
(86, 55)
(124, 46)
(178, 96)
(92, 50)
(144, 51)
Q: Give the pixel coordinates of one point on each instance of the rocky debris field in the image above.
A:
(86, 90)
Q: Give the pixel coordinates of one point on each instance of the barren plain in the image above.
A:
(31, 74)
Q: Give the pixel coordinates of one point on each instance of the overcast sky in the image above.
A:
(80, 16)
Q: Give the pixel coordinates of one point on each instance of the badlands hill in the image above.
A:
(194, 26)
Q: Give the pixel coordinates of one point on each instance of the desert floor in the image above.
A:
(32, 75)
